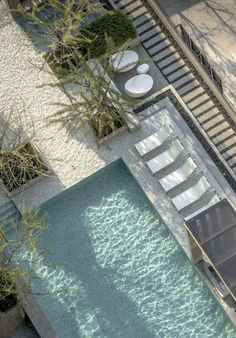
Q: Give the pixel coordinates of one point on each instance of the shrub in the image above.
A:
(114, 25)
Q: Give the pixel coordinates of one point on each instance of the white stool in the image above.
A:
(143, 69)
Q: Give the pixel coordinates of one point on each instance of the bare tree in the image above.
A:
(21, 256)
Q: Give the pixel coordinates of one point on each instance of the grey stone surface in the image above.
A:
(212, 25)
(168, 60)
(188, 87)
(178, 73)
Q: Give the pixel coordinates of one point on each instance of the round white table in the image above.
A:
(124, 61)
(139, 85)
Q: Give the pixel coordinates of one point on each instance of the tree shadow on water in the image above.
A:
(116, 314)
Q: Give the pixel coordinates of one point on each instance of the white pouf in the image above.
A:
(124, 61)
(143, 69)
(139, 85)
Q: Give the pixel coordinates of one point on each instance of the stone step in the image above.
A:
(136, 12)
(218, 129)
(163, 54)
(169, 60)
(128, 7)
(198, 101)
(213, 122)
(230, 154)
(174, 67)
(145, 28)
(139, 21)
(176, 75)
(184, 80)
(193, 94)
(189, 87)
(227, 144)
(204, 108)
(232, 163)
(150, 34)
(208, 116)
(225, 135)
(155, 41)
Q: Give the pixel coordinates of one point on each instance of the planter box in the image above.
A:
(10, 320)
(30, 182)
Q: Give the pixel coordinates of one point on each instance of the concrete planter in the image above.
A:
(10, 320)
(15, 192)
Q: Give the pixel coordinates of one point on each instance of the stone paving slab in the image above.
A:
(208, 115)
(222, 136)
(154, 41)
(218, 129)
(198, 100)
(168, 60)
(179, 73)
(174, 66)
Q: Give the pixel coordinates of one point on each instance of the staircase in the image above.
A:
(219, 127)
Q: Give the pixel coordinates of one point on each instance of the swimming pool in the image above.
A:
(124, 273)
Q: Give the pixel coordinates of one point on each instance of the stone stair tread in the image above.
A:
(223, 136)
(200, 110)
(188, 88)
(198, 100)
(183, 80)
(178, 73)
(210, 124)
(130, 5)
(193, 94)
(148, 26)
(139, 11)
(140, 20)
(230, 152)
(150, 44)
(174, 66)
(150, 33)
(227, 143)
(168, 60)
(210, 114)
(232, 163)
(217, 129)
(164, 53)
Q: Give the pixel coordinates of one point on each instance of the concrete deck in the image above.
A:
(212, 25)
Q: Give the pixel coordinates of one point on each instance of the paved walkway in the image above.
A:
(212, 25)
(169, 61)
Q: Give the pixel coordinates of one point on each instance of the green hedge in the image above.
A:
(115, 25)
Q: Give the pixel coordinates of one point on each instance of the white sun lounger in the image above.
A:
(167, 157)
(179, 175)
(191, 195)
(153, 141)
(215, 199)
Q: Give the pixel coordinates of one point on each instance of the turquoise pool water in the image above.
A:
(124, 273)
